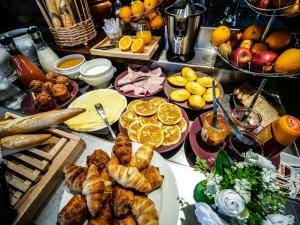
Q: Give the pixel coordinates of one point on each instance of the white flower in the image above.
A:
(243, 187)
(255, 159)
(268, 179)
(206, 216)
(213, 185)
(230, 202)
(278, 219)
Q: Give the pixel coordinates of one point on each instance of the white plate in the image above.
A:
(165, 198)
(90, 92)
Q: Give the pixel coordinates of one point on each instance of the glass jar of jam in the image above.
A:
(250, 124)
(279, 134)
(211, 135)
(236, 149)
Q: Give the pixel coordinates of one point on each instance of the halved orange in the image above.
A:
(138, 46)
(125, 43)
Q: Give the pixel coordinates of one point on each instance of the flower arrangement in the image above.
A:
(243, 192)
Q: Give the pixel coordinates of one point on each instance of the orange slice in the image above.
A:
(125, 43)
(138, 46)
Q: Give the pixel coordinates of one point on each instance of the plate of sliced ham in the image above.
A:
(130, 84)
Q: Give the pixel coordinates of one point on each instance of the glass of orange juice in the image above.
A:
(143, 31)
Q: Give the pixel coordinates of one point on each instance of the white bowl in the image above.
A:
(72, 72)
(97, 72)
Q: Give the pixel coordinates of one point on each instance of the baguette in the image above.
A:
(54, 15)
(37, 122)
(23, 141)
(64, 14)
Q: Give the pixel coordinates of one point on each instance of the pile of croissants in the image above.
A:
(113, 190)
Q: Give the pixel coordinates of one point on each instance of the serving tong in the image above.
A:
(133, 81)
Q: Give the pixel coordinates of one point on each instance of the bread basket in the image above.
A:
(69, 21)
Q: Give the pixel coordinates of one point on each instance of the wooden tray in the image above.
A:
(33, 174)
(116, 52)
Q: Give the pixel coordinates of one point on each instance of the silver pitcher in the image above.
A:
(183, 24)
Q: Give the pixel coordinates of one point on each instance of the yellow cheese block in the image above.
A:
(112, 102)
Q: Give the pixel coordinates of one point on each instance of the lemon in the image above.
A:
(220, 35)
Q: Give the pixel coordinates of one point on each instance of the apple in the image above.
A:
(240, 57)
(265, 4)
(263, 61)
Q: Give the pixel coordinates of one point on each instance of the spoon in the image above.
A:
(236, 131)
(215, 107)
(250, 107)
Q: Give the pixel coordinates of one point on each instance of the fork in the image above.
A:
(99, 108)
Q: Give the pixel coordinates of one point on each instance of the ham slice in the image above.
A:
(153, 88)
(140, 90)
(127, 88)
(155, 80)
(124, 80)
(157, 72)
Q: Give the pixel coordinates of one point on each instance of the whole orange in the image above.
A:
(156, 22)
(137, 7)
(150, 4)
(220, 35)
(151, 14)
(125, 14)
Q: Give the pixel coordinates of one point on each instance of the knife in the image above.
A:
(106, 47)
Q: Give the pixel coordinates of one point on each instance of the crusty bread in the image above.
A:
(37, 122)
(23, 141)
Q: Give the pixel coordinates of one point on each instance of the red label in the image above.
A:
(294, 123)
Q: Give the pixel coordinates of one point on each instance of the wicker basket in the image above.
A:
(81, 28)
(79, 33)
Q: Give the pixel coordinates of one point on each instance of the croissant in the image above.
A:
(153, 176)
(75, 176)
(93, 189)
(129, 177)
(100, 158)
(123, 149)
(129, 220)
(142, 158)
(104, 217)
(144, 211)
(122, 200)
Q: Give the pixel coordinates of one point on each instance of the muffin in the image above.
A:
(61, 92)
(36, 86)
(44, 101)
(65, 81)
(47, 86)
(51, 76)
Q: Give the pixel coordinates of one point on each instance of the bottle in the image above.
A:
(279, 134)
(26, 70)
(46, 55)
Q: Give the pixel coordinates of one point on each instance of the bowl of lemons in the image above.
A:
(192, 89)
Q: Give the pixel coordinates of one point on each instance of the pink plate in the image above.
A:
(28, 107)
(210, 154)
(163, 149)
(131, 93)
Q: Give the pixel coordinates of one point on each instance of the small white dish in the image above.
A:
(97, 72)
(72, 72)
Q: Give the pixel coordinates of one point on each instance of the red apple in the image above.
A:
(263, 61)
(240, 57)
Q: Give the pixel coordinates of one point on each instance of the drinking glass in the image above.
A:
(143, 31)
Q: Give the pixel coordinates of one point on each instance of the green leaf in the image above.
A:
(201, 165)
(222, 162)
(199, 195)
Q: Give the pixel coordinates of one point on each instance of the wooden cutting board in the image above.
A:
(33, 174)
(117, 52)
